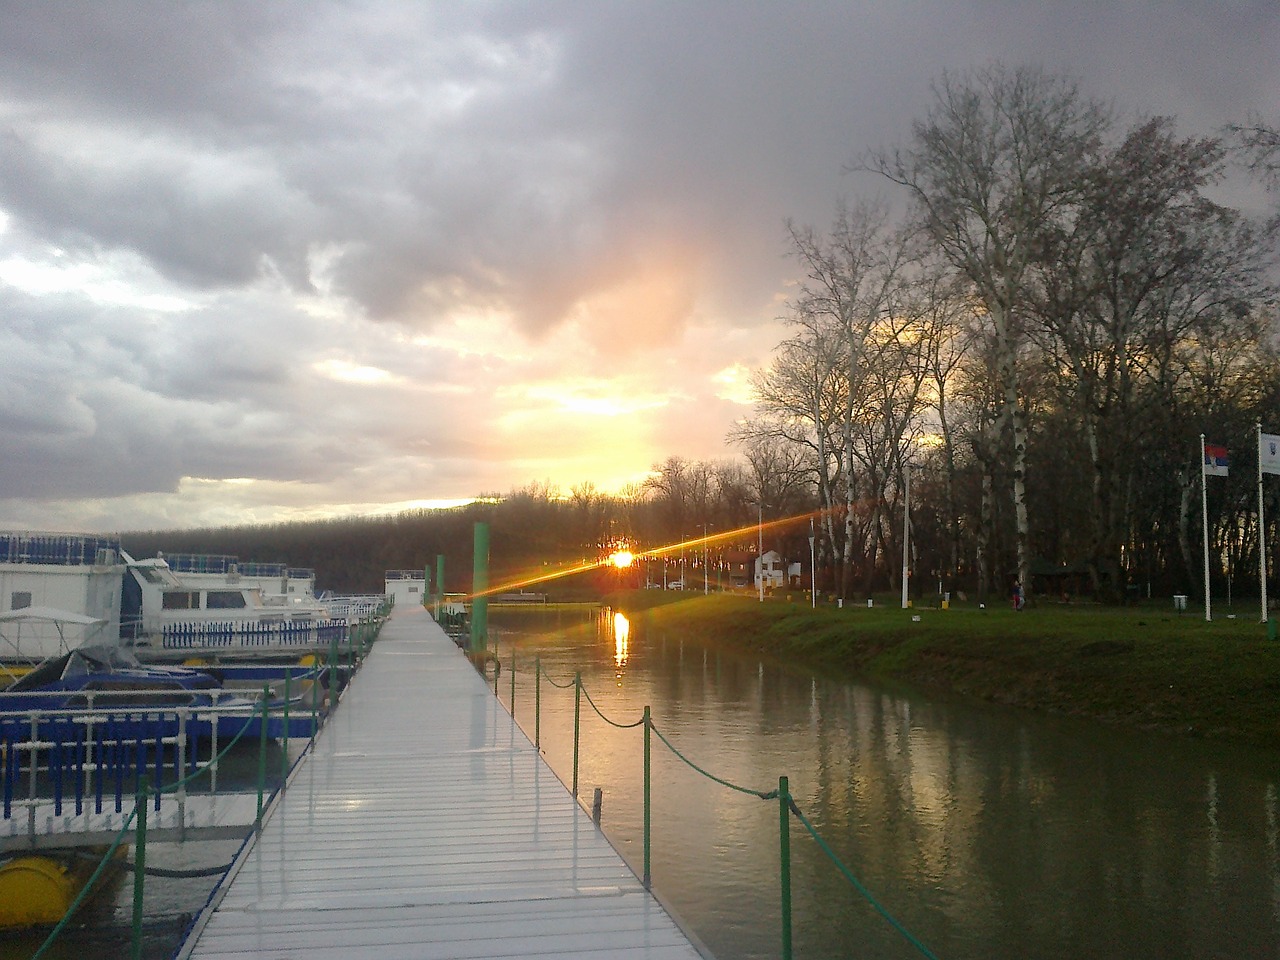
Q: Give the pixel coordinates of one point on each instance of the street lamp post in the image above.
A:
(706, 533)
(760, 548)
(813, 568)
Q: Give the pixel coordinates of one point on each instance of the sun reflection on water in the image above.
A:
(621, 641)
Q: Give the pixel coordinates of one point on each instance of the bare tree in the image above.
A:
(1258, 144)
(1147, 261)
(947, 337)
(853, 280)
(1000, 157)
(800, 399)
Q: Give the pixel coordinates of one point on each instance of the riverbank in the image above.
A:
(1143, 668)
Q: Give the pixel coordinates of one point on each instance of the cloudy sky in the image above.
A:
(267, 261)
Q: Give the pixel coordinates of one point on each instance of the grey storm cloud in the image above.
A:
(515, 154)
(547, 163)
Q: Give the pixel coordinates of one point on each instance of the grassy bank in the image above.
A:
(1150, 668)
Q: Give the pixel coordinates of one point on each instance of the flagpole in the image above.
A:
(1262, 530)
(1204, 515)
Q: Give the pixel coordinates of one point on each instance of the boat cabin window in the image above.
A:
(225, 600)
(20, 600)
(181, 600)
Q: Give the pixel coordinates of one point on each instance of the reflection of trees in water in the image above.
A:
(987, 832)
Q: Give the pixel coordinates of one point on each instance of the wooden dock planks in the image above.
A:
(426, 825)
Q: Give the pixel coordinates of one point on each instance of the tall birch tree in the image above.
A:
(1001, 154)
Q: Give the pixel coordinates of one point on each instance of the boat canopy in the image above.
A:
(49, 615)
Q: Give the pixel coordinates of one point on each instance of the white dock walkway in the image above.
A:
(425, 825)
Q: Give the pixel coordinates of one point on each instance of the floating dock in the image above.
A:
(425, 825)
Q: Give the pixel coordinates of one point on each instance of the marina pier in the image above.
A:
(424, 823)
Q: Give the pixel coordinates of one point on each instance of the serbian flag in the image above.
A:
(1216, 461)
(1269, 452)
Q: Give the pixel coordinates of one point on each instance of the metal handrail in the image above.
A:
(89, 740)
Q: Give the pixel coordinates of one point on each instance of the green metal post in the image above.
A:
(284, 737)
(784, 842)
(439, 583)
(479, 592)
(648, 729)
(262, 755)
(577, 714)
(1271, 628)
(537, 703)
(315, 698)
(139, 865)
(333, 672)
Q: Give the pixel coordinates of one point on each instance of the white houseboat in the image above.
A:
(57, 592)
(213, 601)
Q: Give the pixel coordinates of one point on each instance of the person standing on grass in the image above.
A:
(1018, 599)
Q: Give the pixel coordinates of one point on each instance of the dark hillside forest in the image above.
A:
(349, 555)
(534, 533)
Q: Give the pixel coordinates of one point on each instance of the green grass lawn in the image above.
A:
(1142, 667)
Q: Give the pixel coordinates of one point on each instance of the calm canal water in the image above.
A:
(988, 833)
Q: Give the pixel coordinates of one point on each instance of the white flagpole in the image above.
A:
(1204, 515)
(1262, 531)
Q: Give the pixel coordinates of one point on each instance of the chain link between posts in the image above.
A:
(763, 795)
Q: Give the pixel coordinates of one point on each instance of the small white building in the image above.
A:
(772, 569)
(406, 587)
(71, 573)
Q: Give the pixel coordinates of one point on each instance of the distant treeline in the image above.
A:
(349, 555)
(535, 534)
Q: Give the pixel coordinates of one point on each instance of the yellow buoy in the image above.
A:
(35, 890)
(38, 890)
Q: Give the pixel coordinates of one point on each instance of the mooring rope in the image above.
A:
(163, 871)
(612, 723)
(762, 794)
(562, 686)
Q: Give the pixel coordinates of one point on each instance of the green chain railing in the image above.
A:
(857, 884)
(786, 803)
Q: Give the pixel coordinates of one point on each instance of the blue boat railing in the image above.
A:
(61, 549)
(90, 758)
(97, 749)
(204, 635)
